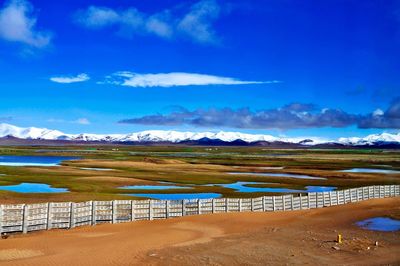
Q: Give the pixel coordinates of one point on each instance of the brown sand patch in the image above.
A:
(115, 179)
(15, 254)
(172, 165)
(204, 234)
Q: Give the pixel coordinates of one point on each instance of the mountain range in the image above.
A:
(10, 134)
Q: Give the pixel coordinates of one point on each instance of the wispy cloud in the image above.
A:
(18, 24)
(80, 121)
(196, 23)
(132, 79)
(71, 79)
(5, 119)
(292, 116)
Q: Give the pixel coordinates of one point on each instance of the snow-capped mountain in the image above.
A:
(33, 133)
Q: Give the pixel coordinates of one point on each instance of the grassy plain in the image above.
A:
(189, 166)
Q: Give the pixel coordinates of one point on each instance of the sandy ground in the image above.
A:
(280, 238)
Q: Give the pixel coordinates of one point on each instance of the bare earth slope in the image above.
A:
(296, 237)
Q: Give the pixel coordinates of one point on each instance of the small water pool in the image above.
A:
(370, 170)
(278, 175)
(242, 187)
(179, 196)
(384, 224)
(95, 169)
(16, 160)
(33, 188)
(150, 187)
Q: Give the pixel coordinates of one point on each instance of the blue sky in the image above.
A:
(284, 67)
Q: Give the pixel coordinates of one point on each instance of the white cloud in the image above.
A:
(81, 121)
(196, 23)
(18, 24)
(378, 112)
(71, 79)
(131, 79)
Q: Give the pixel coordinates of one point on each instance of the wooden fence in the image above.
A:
(44, 216)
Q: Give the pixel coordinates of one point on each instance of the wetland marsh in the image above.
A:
(129, 172)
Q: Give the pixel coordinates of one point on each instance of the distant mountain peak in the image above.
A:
(170, 136)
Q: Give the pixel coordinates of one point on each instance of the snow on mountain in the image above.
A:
(371, 139)
(177, 136)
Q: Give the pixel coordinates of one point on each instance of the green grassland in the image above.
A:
(189, 166)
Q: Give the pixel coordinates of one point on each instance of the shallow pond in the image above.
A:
(178, 196)
(33, 188)
(370, 170)
(380, 224)
(16, 160)
(150, 187)
(242, 187)
(95, 169)
(278, 175)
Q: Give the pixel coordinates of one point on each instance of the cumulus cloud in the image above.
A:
(71, 79)
(196, 23)
(291, 116)
(132, 79)
(287, 117)
(18, 24)
(383, 119)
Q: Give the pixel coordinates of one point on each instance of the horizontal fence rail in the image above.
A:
(44, 216)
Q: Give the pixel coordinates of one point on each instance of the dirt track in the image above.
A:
(296, 237)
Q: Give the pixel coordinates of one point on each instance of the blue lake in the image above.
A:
(278, 175)
(33, 188)
(242, 187)
(370, 170)
(179, 196)
(150, 187)
(12, 160)
(380, 224)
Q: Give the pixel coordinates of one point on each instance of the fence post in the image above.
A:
(226, 205)
(183, 207)
(150, 209)
(49, 221)
(132, 210)
(309, 201)
(25, 219)
(301, 201)
(93, 204)
(213, 205)
(71, 215)
(273, 203)
(166, 209)
(330, 198)
(291, 201)
(199, 206)
(263, 204)
(114, 212)
(284, 202)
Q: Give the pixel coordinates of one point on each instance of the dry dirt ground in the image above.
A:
(282, 238)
